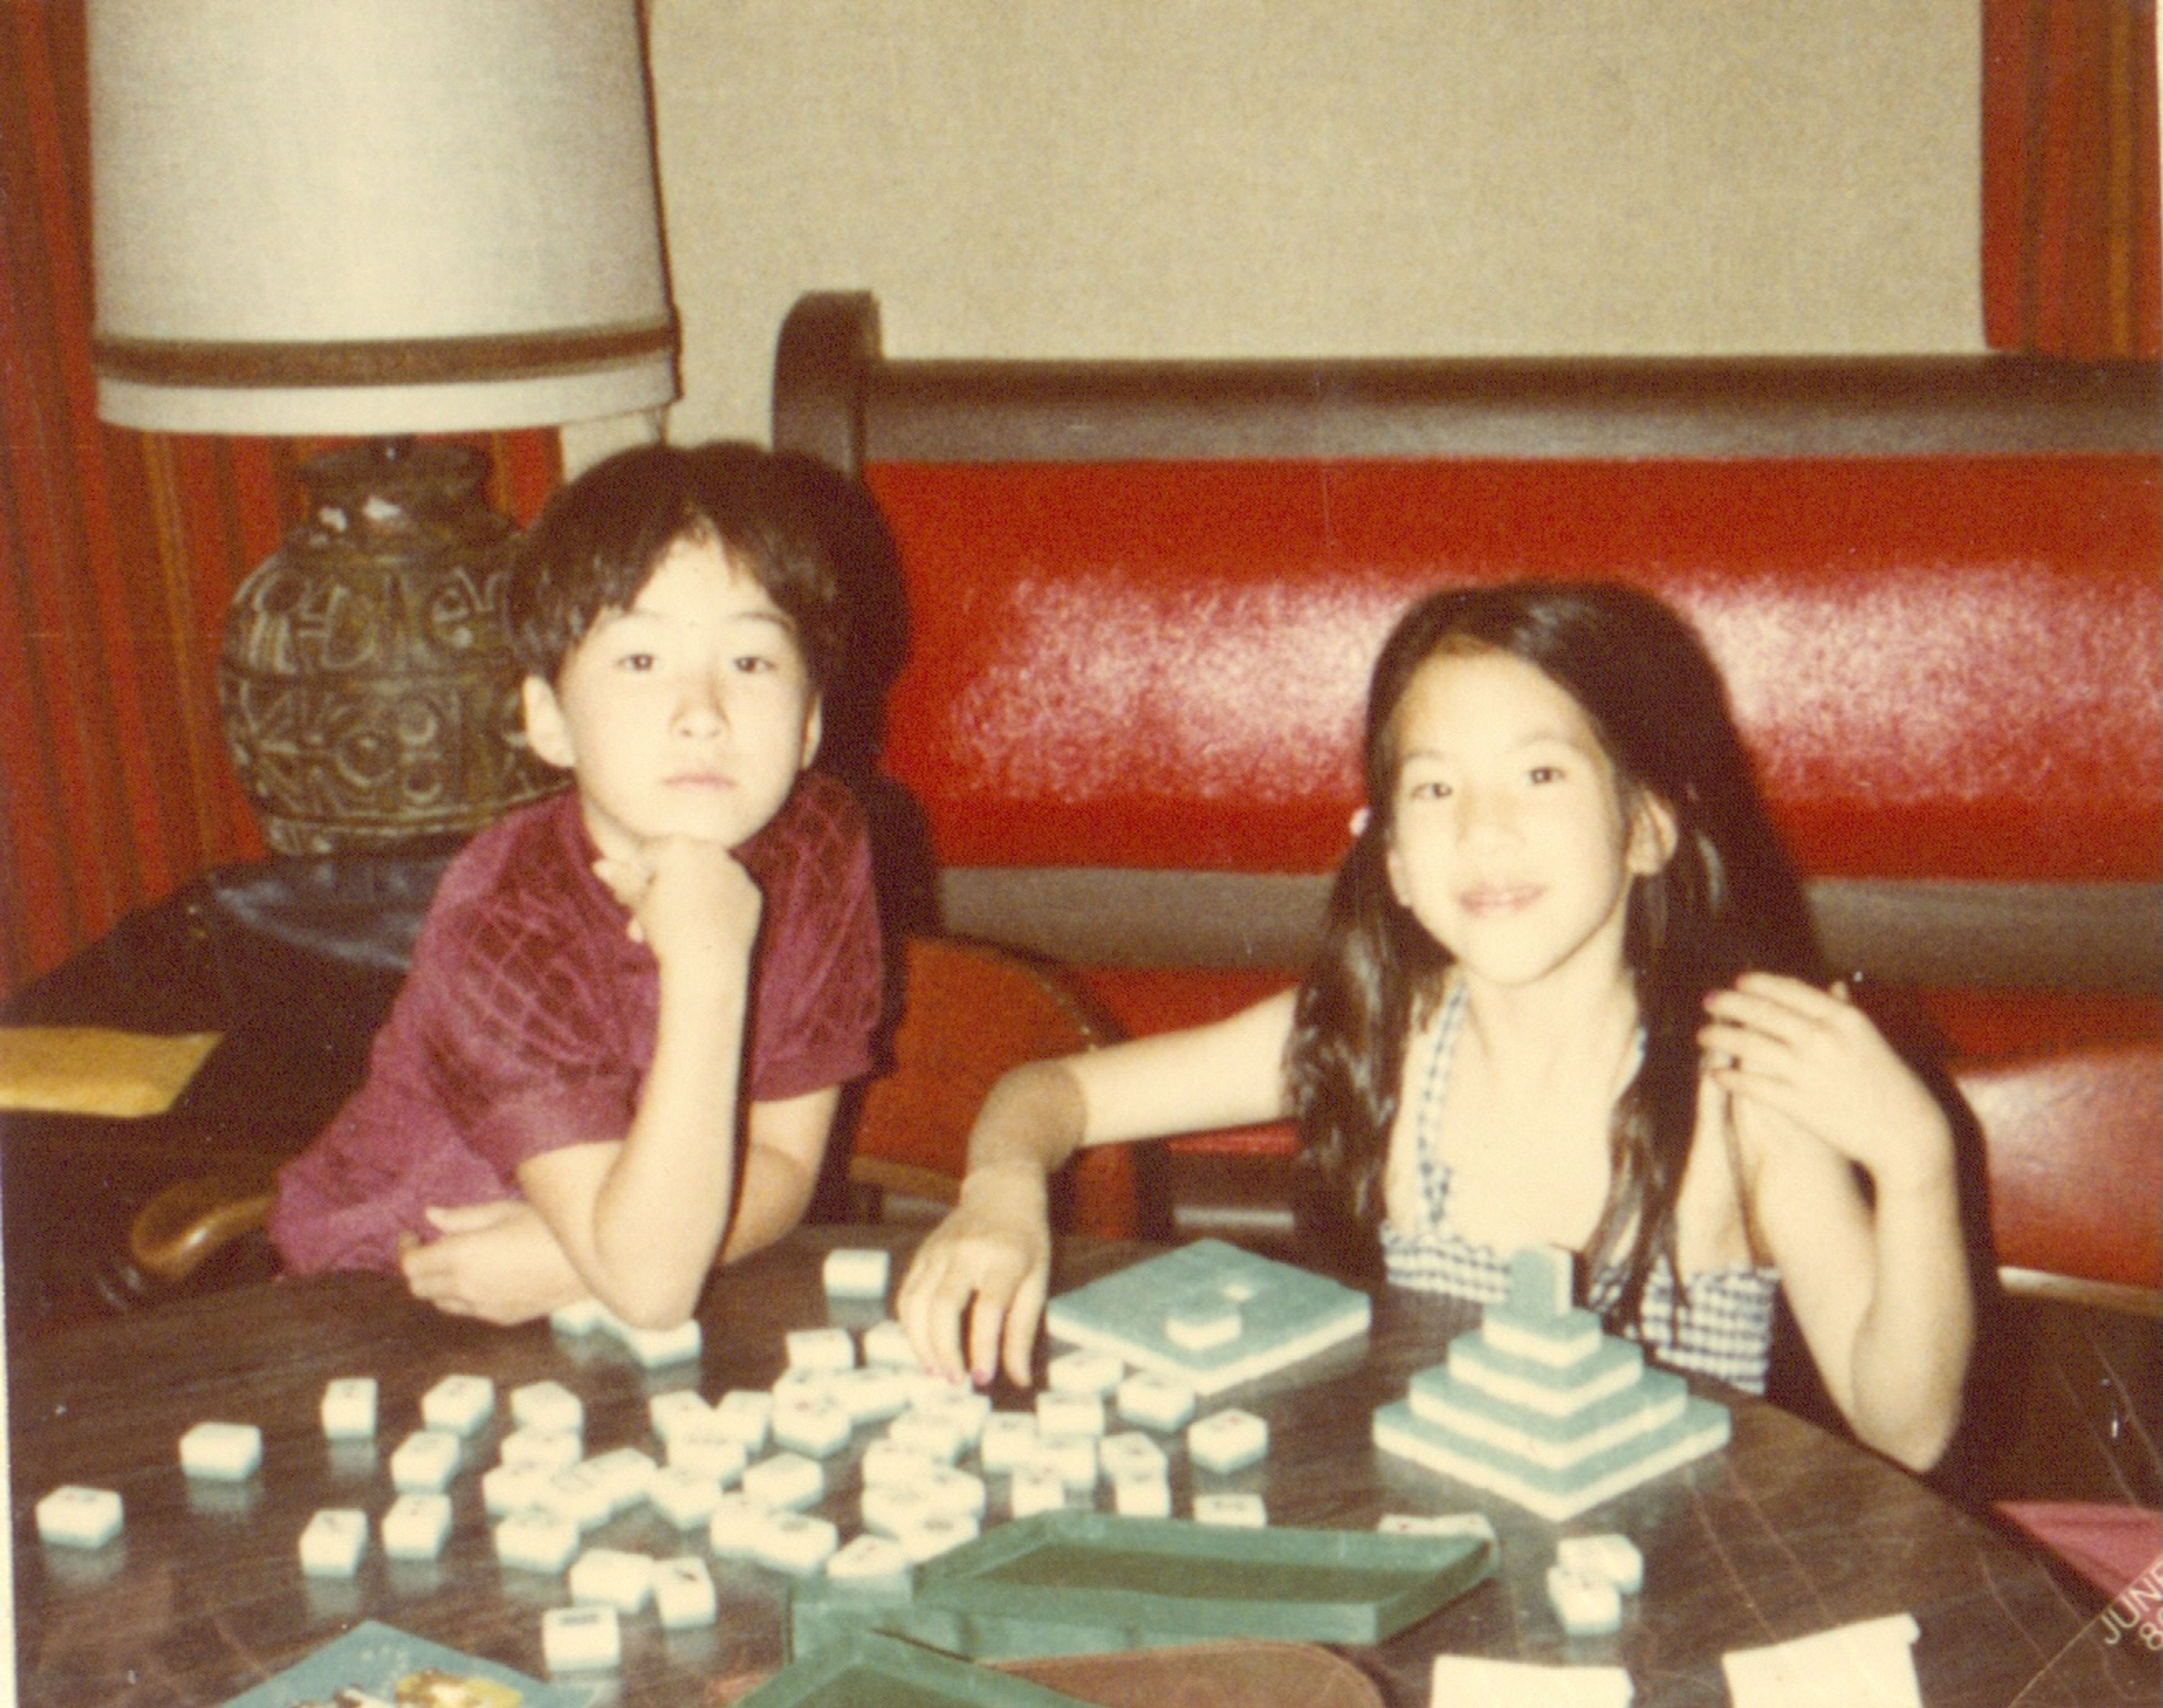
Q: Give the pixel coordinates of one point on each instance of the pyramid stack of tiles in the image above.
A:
(1537, 1405)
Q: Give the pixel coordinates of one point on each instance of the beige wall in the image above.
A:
(1288, 177)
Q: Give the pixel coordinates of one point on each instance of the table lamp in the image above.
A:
(369, 220)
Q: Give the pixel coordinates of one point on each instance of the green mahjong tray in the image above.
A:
(1202, 1580)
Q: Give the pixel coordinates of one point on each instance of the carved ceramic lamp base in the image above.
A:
(369, 696)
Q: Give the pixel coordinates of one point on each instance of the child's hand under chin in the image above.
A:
(1815, 1058)
(686, 897)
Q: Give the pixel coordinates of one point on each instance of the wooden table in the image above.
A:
(1787, 1532)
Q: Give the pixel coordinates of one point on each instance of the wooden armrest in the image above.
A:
(192, 1220)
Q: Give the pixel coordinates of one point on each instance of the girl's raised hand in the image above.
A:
(1816, 1058)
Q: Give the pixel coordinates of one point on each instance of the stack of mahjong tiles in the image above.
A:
(1540, 1407)
(1210, 1315)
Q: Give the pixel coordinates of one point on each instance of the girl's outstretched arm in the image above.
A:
(1879, 1286)
(990, 1261)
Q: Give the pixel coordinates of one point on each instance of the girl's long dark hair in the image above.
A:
(1728, 900)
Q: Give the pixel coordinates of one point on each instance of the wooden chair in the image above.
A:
(193, 1221)
(969, 1012)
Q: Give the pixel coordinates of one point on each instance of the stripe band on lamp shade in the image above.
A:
(374, 216)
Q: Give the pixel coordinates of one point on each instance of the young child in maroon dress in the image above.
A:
(633, 1007)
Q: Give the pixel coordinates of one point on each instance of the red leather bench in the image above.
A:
(1143, 598)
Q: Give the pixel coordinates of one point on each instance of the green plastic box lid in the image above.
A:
(1199, 1580)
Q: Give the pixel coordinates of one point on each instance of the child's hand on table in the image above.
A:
(498, 1262)
(994, 1249)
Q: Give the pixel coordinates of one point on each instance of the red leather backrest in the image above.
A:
(1946, 668)
(2076, 1174)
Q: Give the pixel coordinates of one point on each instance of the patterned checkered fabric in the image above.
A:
(1726, 1331)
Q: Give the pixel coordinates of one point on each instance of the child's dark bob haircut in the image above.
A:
(597, 541)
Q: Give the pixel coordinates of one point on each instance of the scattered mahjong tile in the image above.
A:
(1130, 1453)
(581, 1494)
(348, 1408)
(1034, 1489)
(626, 1473)
(656, 1348)
(1610, 1558)
(1084, 1371)
(821, 1349)
(459, 1404)
(797, 1543)
(938, 1534)
(683, 1497)
(533, 1449)
(677, 1408)
(1155, 1401)
(1284, 1314)
(512, 1488)
(889, 1509)
(928, 1433)
(75, 1516)
(968, 1410)
(222, 1452)
(683, 1596)
(873, 1394)
(1228, 1441)
(1473, 1524)
(1235, 1509)
(737, 1523)
(1009, 1439)
(947, 1489)
(887, 1343)
(1142, 1494)
(1463, 1677)
(870, 1560)
(584, 1316)
(548, 1405)
(333, 1542)
(888, 1461)
(425, 1462)
(612, 1577)
(1070, 1413)
(851, 1272)
(1072, 1459)
(705, 1450)
(784, 1481)
(536, 1540)
(1868, 1662)
(1587, 1606)
(819, 1429)
(579, 1639)
(415, 1526)
(746, 1414)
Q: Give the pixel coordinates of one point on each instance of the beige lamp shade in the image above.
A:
(367, 217)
